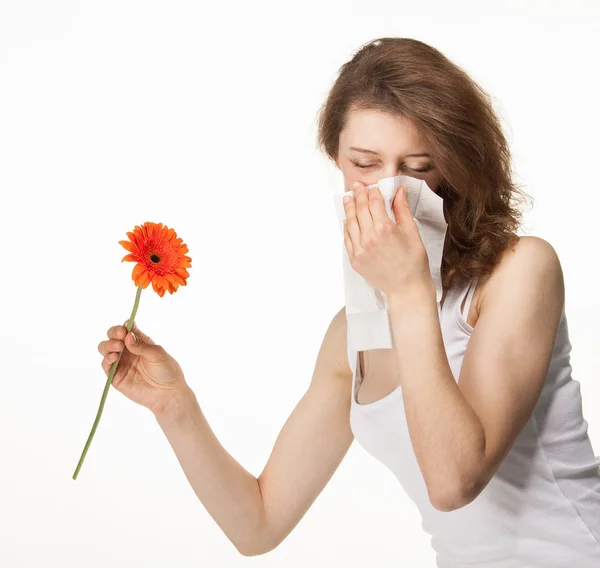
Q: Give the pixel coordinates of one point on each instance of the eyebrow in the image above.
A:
(422, 155)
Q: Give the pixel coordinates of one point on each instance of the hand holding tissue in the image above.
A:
(367, 308)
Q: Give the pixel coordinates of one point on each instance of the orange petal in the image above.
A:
(127, 246)
(144, 279)
(138, 269)
(159, 239)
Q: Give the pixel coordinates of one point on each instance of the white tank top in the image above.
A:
(542, 507)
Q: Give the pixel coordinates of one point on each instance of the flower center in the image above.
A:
(155, 258)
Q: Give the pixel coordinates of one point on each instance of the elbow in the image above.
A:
(453, 497)
(253, 551)
(457, 491)
(259, 537)
(448, 502)
(256, 547)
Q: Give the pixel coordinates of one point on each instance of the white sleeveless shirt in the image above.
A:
(542, 507)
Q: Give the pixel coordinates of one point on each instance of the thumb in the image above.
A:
(400, 206)
(140, 344)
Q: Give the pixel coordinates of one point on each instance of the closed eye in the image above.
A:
(423, 170)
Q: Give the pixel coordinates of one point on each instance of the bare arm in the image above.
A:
(257, 514)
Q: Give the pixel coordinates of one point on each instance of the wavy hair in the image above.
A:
(408, 78)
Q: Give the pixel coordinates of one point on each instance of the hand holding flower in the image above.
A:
(148, 375)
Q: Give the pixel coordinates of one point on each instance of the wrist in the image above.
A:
(175, 406)
(418, 294)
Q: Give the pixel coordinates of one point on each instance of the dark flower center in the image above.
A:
(155, 258)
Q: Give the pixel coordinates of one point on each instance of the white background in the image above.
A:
(203, 116)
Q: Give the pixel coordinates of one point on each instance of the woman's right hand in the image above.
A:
(146, 373)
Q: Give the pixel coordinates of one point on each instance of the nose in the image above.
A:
(387, 172)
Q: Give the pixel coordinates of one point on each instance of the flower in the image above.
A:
(160, 257)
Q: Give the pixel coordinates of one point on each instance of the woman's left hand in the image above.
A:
(390, 256)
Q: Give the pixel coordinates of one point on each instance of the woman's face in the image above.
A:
(395, 148)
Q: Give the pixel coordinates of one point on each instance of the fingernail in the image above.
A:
(133, 338)
(355, 185)
(346, 199)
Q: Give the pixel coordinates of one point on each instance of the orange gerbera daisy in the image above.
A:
(160, 257)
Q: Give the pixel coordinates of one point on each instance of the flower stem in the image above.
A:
(113, 370)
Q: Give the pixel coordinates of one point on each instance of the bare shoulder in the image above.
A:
(530, 257)
(529, 248)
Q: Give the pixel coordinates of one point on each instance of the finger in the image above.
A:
(351, 224)
(401, 208)
(363, 213)
(348, 242)
(108, 361)
(110, 346)
(116, 332)
(377, 206)
(138, 332)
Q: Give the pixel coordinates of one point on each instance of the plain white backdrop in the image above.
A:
(203, 116)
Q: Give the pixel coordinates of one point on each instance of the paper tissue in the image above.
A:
(367, 309)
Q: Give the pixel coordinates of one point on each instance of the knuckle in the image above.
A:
(368, 243)
(385, 228)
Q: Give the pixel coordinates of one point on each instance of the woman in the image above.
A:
(474, 409)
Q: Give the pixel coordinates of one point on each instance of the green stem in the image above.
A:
(113, 370)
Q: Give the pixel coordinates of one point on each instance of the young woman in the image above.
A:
(474, 409)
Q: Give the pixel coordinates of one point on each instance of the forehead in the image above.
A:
(382, 132)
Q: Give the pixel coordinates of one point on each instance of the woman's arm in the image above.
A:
(462, 431)
(257, 514)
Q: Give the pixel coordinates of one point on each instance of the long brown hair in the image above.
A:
(408, 78)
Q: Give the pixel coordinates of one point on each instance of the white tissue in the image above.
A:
(367, 308)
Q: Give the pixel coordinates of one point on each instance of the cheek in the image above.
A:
(431, 179)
